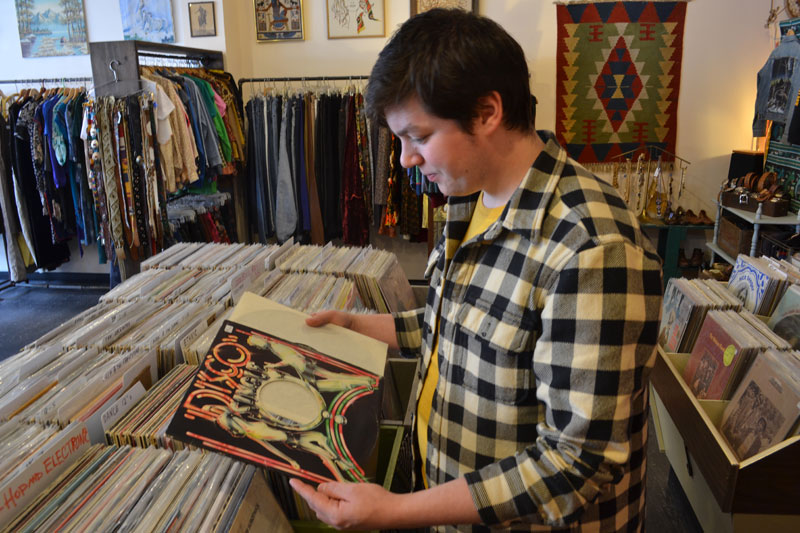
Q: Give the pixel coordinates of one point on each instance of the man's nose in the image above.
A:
(409, 157)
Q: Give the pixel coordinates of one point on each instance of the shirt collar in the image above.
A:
(526, 208)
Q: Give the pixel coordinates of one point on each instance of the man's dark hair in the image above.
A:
(449, 58)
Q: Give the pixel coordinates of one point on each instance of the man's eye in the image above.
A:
(419, 139)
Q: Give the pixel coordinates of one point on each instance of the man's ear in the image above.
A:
(489, 112)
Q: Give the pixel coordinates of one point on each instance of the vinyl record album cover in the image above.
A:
(277, 402)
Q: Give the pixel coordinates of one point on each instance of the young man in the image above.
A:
(538, 333)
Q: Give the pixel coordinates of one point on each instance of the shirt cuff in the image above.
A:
(408, 325)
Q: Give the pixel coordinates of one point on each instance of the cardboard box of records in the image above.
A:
(727, 411)
(727, 494)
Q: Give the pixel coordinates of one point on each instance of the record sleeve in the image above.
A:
(301, 400)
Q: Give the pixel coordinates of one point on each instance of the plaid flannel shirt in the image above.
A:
(547, 332)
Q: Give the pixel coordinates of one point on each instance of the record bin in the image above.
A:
(726, 494)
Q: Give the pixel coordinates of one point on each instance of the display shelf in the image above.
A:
(670, 237)
(718, 251)
(757, 219)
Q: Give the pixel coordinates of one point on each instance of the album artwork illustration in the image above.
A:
(282, 405)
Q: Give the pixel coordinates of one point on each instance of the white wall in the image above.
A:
(103, 23)
(725, 45)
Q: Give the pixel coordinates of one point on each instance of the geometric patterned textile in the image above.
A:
(618, 76)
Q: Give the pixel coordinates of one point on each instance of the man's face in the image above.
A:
(446, 154)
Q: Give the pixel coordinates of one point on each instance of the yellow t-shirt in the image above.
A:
(481, 219)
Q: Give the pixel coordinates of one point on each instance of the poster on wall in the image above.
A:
(51, 28)
(279, 20)
(355, 18)
(149, 20)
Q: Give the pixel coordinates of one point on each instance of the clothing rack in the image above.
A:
(119, 61)
(114, 62)
(46, 80)
(300, 79)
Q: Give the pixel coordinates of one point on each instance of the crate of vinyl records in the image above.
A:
(729, 406)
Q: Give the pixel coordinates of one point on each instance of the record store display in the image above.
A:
(106, 384)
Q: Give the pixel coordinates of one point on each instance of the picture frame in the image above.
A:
(49, 29)
(355, 18)
(279, 20)
(150, 21)
(202, 19)
(420, 6)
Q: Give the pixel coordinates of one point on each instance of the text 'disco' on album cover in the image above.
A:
(275, 392)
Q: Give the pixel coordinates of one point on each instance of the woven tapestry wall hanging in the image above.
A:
(618, 77)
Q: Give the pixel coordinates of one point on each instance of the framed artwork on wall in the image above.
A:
(202, 19)
(355, 18)
(147, 21)
(51, 28)
(419, 6)
(279, 20)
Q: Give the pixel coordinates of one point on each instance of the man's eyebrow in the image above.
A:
(402, 132)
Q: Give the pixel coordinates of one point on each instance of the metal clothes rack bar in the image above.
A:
(650, 148)
(47, 80)
(242, 81)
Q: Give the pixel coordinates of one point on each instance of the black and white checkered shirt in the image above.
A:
(548, 325)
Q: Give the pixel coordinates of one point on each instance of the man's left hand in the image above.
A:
(350, 505)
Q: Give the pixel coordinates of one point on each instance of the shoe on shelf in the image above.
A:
(697, 258)
(690, 218)
(682, 260)
(704, 219)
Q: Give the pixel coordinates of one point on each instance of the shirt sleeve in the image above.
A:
(592, 361)
(408, 325)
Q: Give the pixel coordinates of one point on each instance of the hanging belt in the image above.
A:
(150, 176)
(105, 108)
(134, 132)
(94, 175)
(126, 187)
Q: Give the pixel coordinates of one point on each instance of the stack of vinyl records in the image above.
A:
(209, 256)
(686, 303)
(151, 489)
(725, 348)
(76, 385)
(380, 279)
(21, 443)
(765, 408)
(145, 423)
(310, 292)
(785, 319)
(759, 282)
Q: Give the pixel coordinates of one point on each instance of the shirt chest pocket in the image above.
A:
(494, 351)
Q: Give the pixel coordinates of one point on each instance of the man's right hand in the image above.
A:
(380, 327)
(339, 318)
